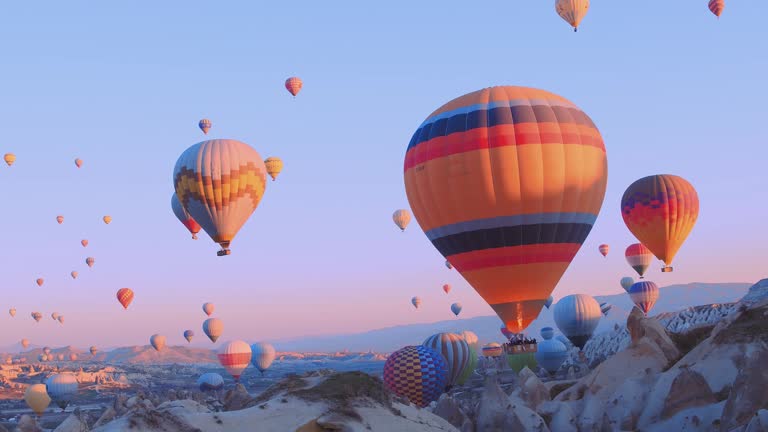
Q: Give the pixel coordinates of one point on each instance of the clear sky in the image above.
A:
(122, 86)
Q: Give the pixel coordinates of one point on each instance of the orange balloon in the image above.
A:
(125, 296)
(293, 85)
(661, 211)
(507, 182)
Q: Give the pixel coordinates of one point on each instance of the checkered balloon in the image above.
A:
(417, 373)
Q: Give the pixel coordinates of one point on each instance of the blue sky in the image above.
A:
(672, 89)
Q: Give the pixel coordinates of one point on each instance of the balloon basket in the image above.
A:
(666, 269)
(223, 252)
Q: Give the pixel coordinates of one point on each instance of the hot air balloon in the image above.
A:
(220, 183)
(447, 288)
(89, 261)
(577, 316)
(661, 210)
(626, 282)
(549, 301)
(61, 319)
(107, 219)
(456, 308)
(274, 166)
(639, 258)
(188, 335)
(60, 357)
(416, 301)
(42, 358)
(417, 373)
(125, 296)
(644, 294)
(84, 242)
(55, 316)
(507, 182)
(61, 388)
(60, 219)
(213, 328)
(12, 312)
(454, 350)
(157, 341)
(204, 125)
(263, 356)
(24, 343)
(470, 368)
(471, 339)
(572, 11)
(507, 334)
(47, 350)
(401, 218)
(716, 7)
(448, 264)
(604, 248)
(10, 158)
(210, 382)
(72, 356)
(39, 281)
(78, 163)
(94, 350)
(293, 85)
(235, 357)
(184, 217)
(9, 360)
(493, 349)
(73, 274)
(37, 398)
(37, 316)
(551, 353)
(208, 308)
(604, 308)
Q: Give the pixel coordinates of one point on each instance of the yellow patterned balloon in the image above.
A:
(274, 166)
(220, 183)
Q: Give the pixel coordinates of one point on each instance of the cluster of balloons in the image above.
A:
(235, 357)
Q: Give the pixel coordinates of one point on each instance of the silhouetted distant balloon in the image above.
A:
(157, 341)
(90, 261)
(73, 274)
(60, 219)
(507, 183)
(235, 356)
(716, 7)
(604, 248)
(61, 319)
(549, 301)
(210, 382)
(208, 308)
(416, 301)
(639, 258)
(37, 316)
(661, 210)
(9, 158)
(454, 350)
(39, 281)
(401, 218)
(274, 166)
(577, 317)
(54, 316)
(417, 373)
(93, 350)
(47, 350)
(204, 125)
(293, 85)
(572, 11)
(213, 328)
(37, 398)
(456, 308)
(188, 334)
(448, 264)
(78, 163)
(626, 282)
(447, 288)
(644, 294)
(12, 312)
(125, 296)
(263, 356)
(24, 343)
(84, 242)
(107, 219)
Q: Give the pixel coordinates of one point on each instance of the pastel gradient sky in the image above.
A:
(672, 89)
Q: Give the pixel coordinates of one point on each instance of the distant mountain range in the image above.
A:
(672, 298)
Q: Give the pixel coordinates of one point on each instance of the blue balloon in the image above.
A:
(551, 352)
(577, 316)
(547, 332)
(644, 294)
(549, 301)
(456, 308)
(210, 382)
(61, 388)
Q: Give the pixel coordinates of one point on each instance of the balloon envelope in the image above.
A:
(125, 296)
(61, 388)
(506, 183)
(157, 341)
(184, 217)
(208, 308)
(263, 355)
(417, 373)
(401, 218)
(274, 166)
(577, 316)
(235, 356)
(210, 382)
(447, 288)
(36, 396)
(639, 258)
(456, 308)
(416, 302)
(626, 282)
(716, 7)
(188, 335)
(644, 294)
(213, 328)
(471, 339)
(604, 248)
(204, 125)
(294, 85)
(454, 350)
(572, 11)
(549, 301)
(661, 210)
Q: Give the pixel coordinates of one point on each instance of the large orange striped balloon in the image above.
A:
(507, 182)
(661, 210)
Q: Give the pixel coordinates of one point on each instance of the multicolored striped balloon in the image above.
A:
(644, 294)
(204, 125)
(220, 183)
(507, 183)
(470, 368)
(454, 350)
(572, 11)
(188, 335)
(639, 258)
(661, 211)
(417, 373)
(235, 356)
(492, 349)
(604, 248)
(274, 166)
(716, 7)
(125, 297)
(294, 85)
